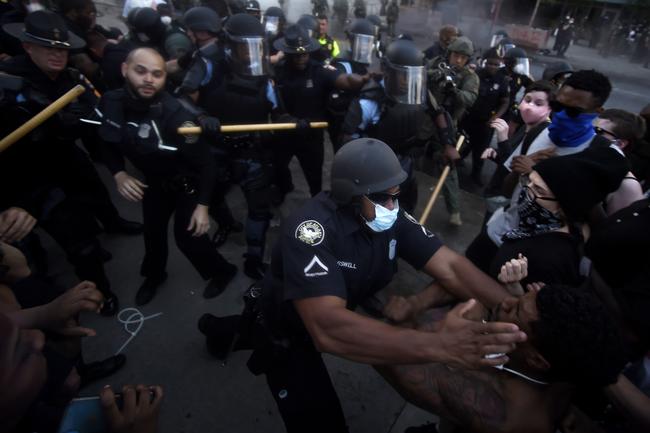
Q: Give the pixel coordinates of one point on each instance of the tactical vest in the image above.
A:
(398, 123)
(234, 100)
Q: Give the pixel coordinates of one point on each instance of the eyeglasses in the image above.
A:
(382, 198)
(600, 131)
(557, 106)
(526, 183)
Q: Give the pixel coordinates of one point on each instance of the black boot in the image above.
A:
(254, 267)
(219, 282)
(221, 235)
(148, 289)
(219, 333)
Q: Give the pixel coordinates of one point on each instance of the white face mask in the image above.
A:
(384, 218)
(166, 20)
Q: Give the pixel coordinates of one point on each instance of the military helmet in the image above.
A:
(364, 166)
(462, 45)
(201, 18)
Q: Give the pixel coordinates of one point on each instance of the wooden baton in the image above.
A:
(441, 181)
(195, 130)
(41, 117)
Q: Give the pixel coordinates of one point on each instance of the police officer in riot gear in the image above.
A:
(238, 90)
(362, 39)
(274, 22)
(46, 173)
(139, 123)
(304, 86)
(518, 71)
(393, 109)
(453, 88)
(334, 252)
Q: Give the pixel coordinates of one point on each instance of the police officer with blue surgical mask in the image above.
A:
(337, 250)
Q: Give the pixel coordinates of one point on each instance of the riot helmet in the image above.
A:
(274, 21)
(497, 37)
(309, 23)
(245, 45)
(361, 35)
(253, 8)
(516, 60)
(376, 21)
(364, 166)
(146, 26)
(404, 73)
(201, 18)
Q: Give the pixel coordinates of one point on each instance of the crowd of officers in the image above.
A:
(214, 71)
(231, 64)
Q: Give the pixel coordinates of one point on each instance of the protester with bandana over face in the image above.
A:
(571, 130)
(554, 200)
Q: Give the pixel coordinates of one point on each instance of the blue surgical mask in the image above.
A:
(384, 218)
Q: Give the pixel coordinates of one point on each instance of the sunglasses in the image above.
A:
(600, 131)
(382, 198)
(573, 112)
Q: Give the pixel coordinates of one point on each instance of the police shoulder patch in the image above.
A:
(310, 232)
(190, 138)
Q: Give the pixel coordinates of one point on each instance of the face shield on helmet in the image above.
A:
(495, 40)
(361, 47)
(405, 84)
(247, 55)
(271, 25)
(521, 66)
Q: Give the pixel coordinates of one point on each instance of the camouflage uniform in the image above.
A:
(454, 91)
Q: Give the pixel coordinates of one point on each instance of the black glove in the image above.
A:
(210, 127)
(302, 127)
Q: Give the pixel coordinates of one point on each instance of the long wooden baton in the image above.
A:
(195, 130)
(441, 181)
(41, 117)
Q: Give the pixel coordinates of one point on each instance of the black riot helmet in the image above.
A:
(557, 72)
(245, 45)
(364, 166)
(517, 60)
(376, 21)
(404, 72)
(253, 8)
(145, 25)
(274, 20)
(201, 18)
(362, 36)
(309, 23)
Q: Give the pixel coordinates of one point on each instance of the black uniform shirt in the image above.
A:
(325, 251)
(492, 89)
(305, 93)
(148, 138)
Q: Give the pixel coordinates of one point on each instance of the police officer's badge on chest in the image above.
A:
(310, 232)
(309, 83)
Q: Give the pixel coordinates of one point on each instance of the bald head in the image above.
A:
(447, 35)
(144, 72)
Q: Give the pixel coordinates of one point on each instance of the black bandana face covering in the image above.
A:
(534, 219)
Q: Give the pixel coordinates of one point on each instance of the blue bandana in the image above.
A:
(567, 131)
